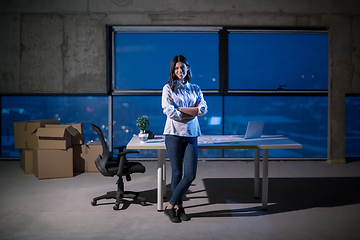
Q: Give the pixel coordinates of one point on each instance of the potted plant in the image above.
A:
(143, 123)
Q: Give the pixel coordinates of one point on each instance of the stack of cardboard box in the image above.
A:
(51, 150)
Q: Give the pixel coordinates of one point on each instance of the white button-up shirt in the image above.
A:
(185, 95)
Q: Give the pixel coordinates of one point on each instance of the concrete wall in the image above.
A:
(53, 46)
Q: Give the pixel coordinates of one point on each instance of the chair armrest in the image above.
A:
(126, 152)
(122, 159)
(121, 148)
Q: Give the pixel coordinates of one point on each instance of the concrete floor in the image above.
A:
(307, 200)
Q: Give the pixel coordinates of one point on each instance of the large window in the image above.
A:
(276, 76)
(67, 109)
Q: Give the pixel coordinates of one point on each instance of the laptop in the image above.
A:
(254, 129)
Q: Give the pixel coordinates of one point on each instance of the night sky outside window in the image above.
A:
(266, 60)
(142, 60)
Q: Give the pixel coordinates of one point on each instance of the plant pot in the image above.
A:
(143, 137)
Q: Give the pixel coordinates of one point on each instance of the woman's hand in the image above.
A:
(192, 111)
(187, 117)
(188, 113)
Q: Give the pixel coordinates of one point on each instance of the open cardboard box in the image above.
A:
(24, 132)
(77, 139)
(55, 136)
(80, 138)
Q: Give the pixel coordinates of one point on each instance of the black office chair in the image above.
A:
(120, 166)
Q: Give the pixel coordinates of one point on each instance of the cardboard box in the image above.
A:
(53, 163)
(55, 136)
(85, 155)
(24, 132)
(79, 138)
(89, 153)
(27, 160)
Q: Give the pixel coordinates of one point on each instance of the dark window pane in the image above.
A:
(211, 124)
(142, 60)
(267, 60)
(68, 109)
(126, 111)
(352, 126)
(128, 108)
(302, 119)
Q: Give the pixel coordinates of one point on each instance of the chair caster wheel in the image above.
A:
(143, 203)
(116, 207)
(93, 203)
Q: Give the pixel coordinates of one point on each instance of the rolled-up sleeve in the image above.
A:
(168, 105)
(202, 105)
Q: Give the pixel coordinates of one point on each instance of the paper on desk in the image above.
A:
(227, 139)
(204, 140)
(218, 139)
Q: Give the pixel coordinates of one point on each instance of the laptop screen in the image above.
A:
(254, 129)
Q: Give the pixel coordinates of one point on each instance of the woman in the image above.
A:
(182, 102)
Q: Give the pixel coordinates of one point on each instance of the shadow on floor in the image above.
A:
(285, 195)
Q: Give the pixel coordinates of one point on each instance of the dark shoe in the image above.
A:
(182, 215)
(171, 214)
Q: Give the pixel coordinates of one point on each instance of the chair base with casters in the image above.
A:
(120, 195)
(120, 166)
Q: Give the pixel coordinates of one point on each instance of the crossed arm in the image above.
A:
(188, 113)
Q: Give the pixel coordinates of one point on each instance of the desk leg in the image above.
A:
(265, 179)
(164, 173)
(257, 175)
(160, 177)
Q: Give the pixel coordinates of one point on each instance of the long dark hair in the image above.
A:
(173, 77)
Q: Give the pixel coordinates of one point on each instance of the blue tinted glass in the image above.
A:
(211, 124)
(267, 60)
(142, 60)
(73, 109)
(128, 108)
(126, 111)
(302, 119)
(352, 126)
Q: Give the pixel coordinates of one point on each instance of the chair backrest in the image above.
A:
(101, 161)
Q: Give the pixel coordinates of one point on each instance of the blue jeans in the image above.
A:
(183, 152)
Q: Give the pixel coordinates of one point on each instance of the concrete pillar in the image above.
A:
(340, 76)
(355, 83)
(9, 52)
(84, 54)
(41, 53)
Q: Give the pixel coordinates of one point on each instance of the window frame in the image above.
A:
(223, 33)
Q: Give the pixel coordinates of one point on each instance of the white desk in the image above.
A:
(219, 142)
